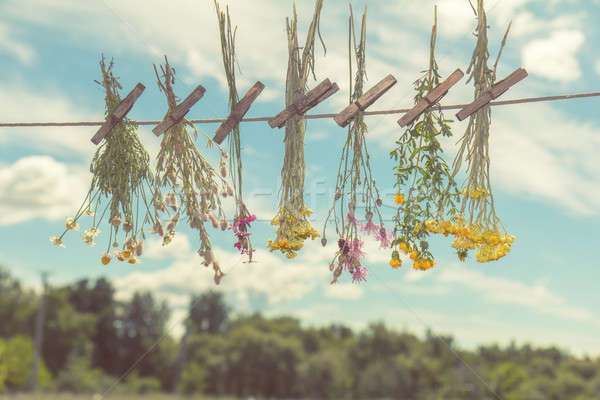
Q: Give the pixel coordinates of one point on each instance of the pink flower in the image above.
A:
(384, 237)
(360, 274)
(370, 227)
(351, 219)
(355, 249)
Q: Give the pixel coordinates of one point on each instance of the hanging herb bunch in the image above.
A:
(477, 226)
(355, 184)
(121, 175)
(426, 189)
(292, 223)
(193, 187)
(242, 218)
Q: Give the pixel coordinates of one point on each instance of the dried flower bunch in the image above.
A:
(121, 175)
(193, 187)
(421, 168)
(243, 217)
(477, 226)
(292, 224)
(355, 185)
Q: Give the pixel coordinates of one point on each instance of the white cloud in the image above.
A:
(22, 51)
(526, 23)
(554, 57)
(271, 277)
(25, 105)
(537, 151)
(40, 187)
(505, 291)
(178, 248)
(344, 291)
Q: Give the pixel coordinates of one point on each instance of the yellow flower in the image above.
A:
(399, 198)
(71, 224)
(90, 212)
(57, 241)
(462, 254)
(93, 231)
(105, 258)
(88, 238)
(413, 255)
(291, 254)
(395, 262)
(426, 264)
(133, 261)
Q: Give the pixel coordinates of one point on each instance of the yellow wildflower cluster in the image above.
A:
(89, 235)
(418, 262)
(131, 249)
(292, 231)
(490, 244)
(395, 262)
(476, 193)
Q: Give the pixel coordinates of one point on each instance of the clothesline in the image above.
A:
(308, 116)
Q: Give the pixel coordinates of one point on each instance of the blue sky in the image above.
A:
(544, 168)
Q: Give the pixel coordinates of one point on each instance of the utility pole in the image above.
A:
(39, 333)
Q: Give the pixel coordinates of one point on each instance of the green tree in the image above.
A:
(98, 300)
(142, 333)
(17, 306)
(16, 362)
(325, 375)
(3, 365)
(208, 312)
(210, 352)
(261, 362)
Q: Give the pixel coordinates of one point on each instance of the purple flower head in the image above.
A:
(370, 227)
(350, 218)
(356, 249)
(384, 237)
(360, 274)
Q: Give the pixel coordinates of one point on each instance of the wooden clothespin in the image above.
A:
(313, 97)
(118, 113)
(238, 112)
(179, 111)
(432, 98)
(343, 117)
(495, 91)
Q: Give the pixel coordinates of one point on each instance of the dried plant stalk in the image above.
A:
(121, 175)
(193, 187)
(243, 217)
(477, 226)
(293, 226)
(421, 168)
(355, 186)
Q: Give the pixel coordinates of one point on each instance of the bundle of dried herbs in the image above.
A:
(121, 175)
(242, 217)
(293, 226)
(355, 186)
(193, 187)
(477, 226)
(421, 168)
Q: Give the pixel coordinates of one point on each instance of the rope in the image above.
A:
(311, 116)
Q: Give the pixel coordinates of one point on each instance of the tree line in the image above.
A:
(91, 339)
